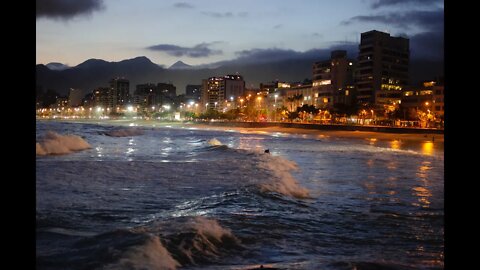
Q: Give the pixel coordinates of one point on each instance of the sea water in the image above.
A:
(132, 196)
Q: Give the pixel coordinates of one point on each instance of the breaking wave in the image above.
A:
(55, 144)
(151, 255)
(168, 246)
(282, 181)
(214, 142)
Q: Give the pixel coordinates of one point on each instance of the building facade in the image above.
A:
(217, 92)
(333, 80)
(382, 70)
(193, 92)
(119, 94)
(75, 97)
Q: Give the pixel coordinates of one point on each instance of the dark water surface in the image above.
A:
(166, 198)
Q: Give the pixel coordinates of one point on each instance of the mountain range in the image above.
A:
(95, 73)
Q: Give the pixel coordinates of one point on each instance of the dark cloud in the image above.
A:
(428, 45)
(199, 50)
(218, 14)
(182, 5)
(276, 54)
(278, 26)
(427, 20)
(382, 3)
(67, 9)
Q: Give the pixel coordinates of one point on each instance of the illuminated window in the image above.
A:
(325, 100)
(346, 92)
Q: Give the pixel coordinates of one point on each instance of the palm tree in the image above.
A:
(294, 101)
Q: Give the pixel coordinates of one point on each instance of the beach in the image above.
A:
(436, 139)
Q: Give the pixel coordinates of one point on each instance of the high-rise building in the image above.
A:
(75, 97)
(119, 92)
(333, 80)
(168, 92)
(382, 70)
(192, 92)
(101, 97)
(145, 95)
(218, 91)
(214, 94)
(234, 86)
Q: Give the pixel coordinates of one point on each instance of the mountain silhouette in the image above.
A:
(180, 65)
(94, 73)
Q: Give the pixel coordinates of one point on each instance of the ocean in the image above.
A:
(157, 196)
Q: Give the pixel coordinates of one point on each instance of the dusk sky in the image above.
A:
(207, 31)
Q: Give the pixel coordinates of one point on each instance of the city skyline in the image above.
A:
(211, 31)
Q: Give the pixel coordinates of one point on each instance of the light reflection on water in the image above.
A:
(423, 193)
(427, 148)
(395, 144)
(362, 190)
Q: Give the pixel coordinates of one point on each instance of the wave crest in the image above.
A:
(204, 244)
(214, 142)
(151, 255)
(283, 182)
(55, 144)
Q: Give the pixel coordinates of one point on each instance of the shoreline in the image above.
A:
(247, 127)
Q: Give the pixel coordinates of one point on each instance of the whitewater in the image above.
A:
(144, 196)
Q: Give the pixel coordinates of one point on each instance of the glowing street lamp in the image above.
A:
(259, 101)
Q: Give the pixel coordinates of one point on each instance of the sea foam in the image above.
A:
(214, 142)
(151, 255)
(283, 181)
(55, 144)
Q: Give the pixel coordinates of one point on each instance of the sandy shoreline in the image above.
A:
(437, 139)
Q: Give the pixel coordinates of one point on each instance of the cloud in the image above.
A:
(183, 5)
(384, 3)
(428, 20)
(427, 45)
(197, 51)
(275, 54)
(278, 26)
(218, 14)
(67, 9)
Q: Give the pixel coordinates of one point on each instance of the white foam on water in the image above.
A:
(283, 181)
(151, 255)
(55, 144)
(214, 142)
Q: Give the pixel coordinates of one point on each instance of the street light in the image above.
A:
(259, 101)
